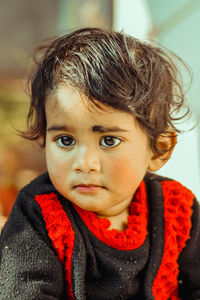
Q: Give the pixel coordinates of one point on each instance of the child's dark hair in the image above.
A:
(112, 68)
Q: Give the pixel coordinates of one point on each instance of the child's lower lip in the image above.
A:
(88, 189)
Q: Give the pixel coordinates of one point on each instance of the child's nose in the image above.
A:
(87, 160)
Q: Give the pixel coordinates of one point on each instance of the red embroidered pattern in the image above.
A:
(134, 236)
(178, 201)
(60, 232)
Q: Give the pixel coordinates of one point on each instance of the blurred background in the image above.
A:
(24, 25)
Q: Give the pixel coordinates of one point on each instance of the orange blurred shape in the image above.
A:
(8, 195)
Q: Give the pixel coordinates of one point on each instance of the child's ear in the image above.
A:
(166, 142)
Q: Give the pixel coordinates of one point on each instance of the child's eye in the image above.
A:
(65, 141)
(110, 141)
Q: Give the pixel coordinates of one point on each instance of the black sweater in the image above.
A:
(32, 266)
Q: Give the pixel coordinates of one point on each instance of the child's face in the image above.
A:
(95, 158)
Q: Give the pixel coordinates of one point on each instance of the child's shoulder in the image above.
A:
(171, 188)
(26, 197)
(40, 185)
(153, 177)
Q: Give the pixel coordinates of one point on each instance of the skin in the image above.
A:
(78, 151)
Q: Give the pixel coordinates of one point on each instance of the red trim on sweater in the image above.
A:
(133, 236)
(60, 232)
(178, 201)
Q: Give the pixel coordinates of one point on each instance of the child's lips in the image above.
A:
(88, 188)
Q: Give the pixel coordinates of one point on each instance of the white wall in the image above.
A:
(132, 16)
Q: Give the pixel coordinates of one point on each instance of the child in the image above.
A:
(100, 224)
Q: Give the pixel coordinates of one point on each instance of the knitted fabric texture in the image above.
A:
(177, 214)
(60, 232)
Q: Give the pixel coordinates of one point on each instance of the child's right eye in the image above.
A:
(65, 141)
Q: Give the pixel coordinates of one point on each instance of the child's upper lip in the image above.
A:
(88, 185)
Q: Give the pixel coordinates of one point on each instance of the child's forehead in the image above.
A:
(67, 103)
(68, 99)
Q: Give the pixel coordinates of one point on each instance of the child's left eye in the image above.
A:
(110, 141)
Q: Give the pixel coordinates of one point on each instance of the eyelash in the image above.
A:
(59, 140)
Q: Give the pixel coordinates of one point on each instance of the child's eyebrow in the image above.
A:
(95, 128)
(99, 128)
(58, 128)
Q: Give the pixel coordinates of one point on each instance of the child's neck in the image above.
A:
(119, 221)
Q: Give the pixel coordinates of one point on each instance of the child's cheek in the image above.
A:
(57, 168)
(55, 158)
(125, 172)
(120, 168)
(117, 168)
